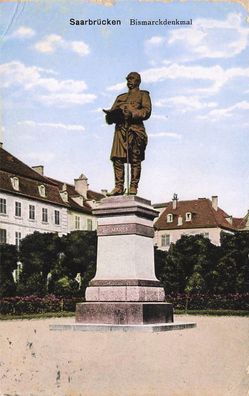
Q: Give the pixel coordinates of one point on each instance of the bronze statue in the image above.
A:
(130, 139)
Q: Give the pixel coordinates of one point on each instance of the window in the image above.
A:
(31, 212)
(165, 240)
(3, 236)
(44, 215)
(57, 217)
(89, 225)
(188, 216)
(42, 190)
(15, 183)
(18, 209)
(205, 234)
(169, 218)
(18, 237)
(77, 222)
(2, 205)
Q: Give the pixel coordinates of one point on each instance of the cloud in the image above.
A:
(216, 76)
(67, 98)
(186, 103)
(165, 134)
(117, 87)
(23, 32)
(53, 42)
(45, 88)
(155, 41)
(220, 113)
(159, 117)
(68, 127)
(207, 38)
(40, 156)
(49, 44)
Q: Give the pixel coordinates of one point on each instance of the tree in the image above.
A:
(8, 263)
(233, 269)
(189, 263)
(78, 256)
(39, 254)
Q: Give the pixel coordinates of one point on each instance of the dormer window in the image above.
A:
(169, 218)
(42, 190)
(188, 216)
(15, 183)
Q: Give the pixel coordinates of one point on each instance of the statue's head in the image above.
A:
(133, 80)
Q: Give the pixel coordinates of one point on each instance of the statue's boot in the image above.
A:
(118, 166)
(135, 177)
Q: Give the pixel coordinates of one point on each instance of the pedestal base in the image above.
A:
(124, 313)
(147, 328)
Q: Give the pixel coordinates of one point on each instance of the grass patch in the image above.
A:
(44, 315)
(213, 312)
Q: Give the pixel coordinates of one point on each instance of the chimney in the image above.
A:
(81, 185)
(215, 202)
(1, 144)
(174, 201)
(39, 169)
(104, 192)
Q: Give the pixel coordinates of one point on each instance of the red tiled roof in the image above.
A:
(11, 164)
(91, 195)
(29, 188)
(239, 223)
(203, 216)
(29, 180)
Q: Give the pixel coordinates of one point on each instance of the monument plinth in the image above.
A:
(125, 289)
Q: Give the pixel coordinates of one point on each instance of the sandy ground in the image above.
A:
(212, 359)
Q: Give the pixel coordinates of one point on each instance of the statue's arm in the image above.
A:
(114, 114)
(144, 112)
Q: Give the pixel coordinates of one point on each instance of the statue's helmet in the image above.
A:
(136, 75)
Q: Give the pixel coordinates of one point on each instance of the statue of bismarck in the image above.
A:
(130, 139)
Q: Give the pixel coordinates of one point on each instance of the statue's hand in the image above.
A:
(127, 113)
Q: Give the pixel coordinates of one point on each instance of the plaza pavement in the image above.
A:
(210, 360)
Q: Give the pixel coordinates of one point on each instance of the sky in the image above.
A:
(56, 78)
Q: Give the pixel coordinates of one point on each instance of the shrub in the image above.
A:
(209, 301)
(8, 262)
(35, 304)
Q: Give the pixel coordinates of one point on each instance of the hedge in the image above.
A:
(51, 303)
(34, 304)
(212, 301)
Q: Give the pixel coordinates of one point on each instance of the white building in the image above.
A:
(200, 216)
(30, 202)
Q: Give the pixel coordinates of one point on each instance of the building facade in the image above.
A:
(195, 217)
(30, 201)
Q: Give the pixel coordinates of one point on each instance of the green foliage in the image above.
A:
(206, 301)
(39, 253)
(233, 268)
(65, 286)
(194, 265)
(51, 263)
(8, 263)
(35, 305)
(78, 256)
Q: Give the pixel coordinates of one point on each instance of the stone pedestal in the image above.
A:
(125, 289)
